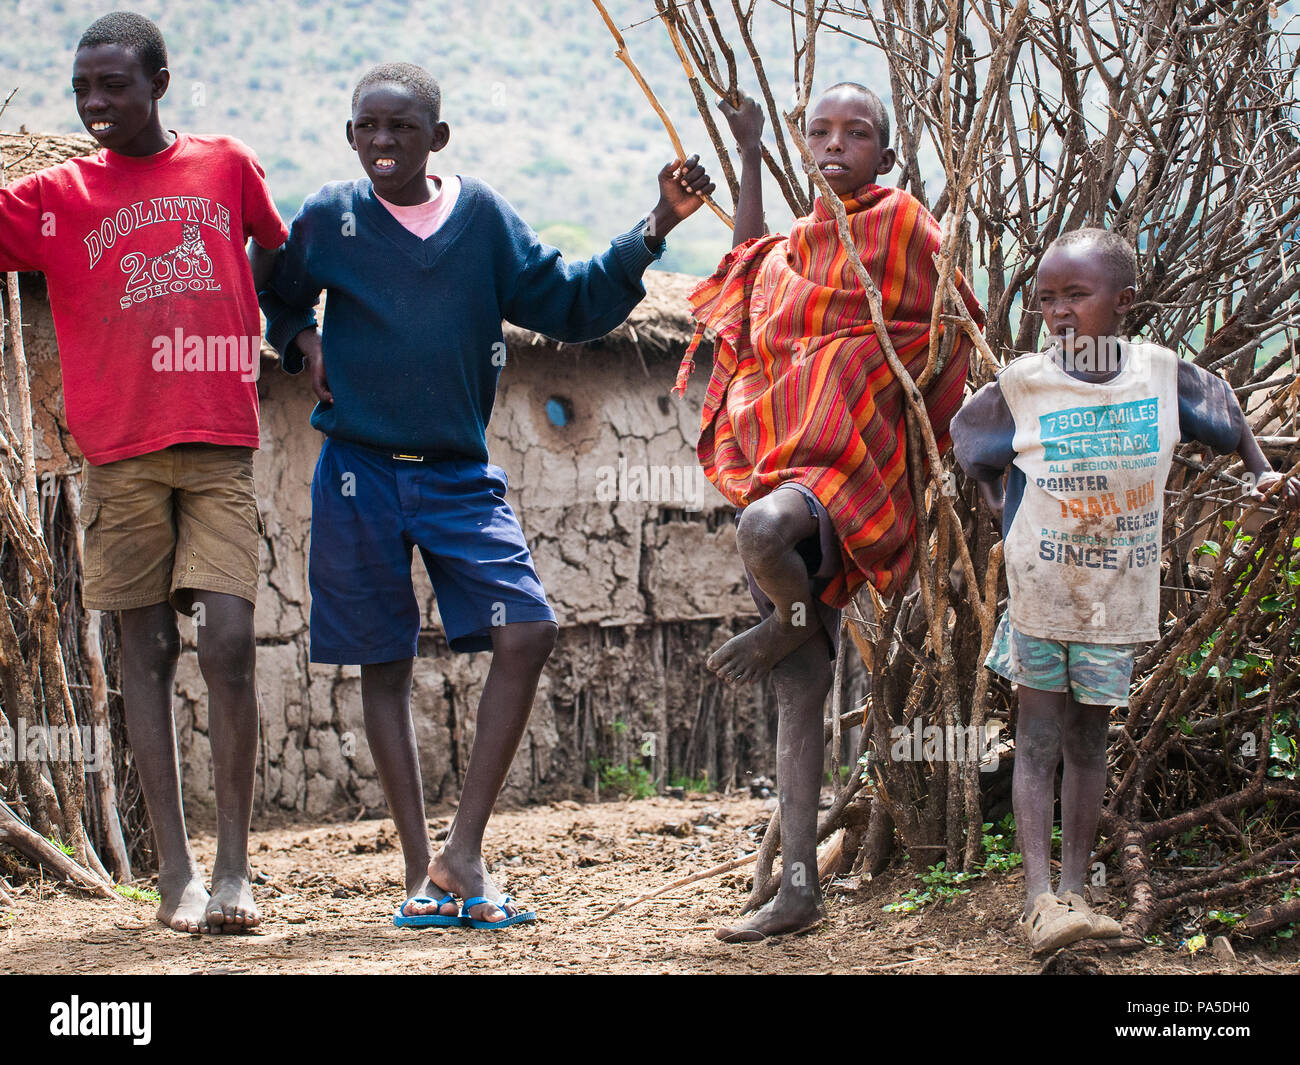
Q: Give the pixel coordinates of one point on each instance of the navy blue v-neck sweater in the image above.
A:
(412, 334)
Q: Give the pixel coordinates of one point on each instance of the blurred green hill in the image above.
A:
(538, 105)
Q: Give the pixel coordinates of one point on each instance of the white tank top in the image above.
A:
(1083, 551)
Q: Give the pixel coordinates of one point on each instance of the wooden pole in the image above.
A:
(36, 589)
(622, 54)
(107, 791)
(38, 849)
(828, 856)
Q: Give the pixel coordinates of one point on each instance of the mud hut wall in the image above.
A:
(642, 588)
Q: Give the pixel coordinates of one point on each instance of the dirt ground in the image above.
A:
(328, 892)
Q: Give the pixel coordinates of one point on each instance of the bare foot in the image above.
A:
(777, 918)
(422, 909)
(466, 878)
(183, 903)
(231, 907)
(755, 651)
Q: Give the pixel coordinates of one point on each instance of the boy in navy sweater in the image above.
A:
(420, 271)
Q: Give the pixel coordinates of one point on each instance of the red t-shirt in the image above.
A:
(151, 290)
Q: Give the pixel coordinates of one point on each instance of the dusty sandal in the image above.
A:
(1101, 926)
(523, 917)
(426, 920)
(1051, 924)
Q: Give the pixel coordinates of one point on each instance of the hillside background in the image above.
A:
(537, 104)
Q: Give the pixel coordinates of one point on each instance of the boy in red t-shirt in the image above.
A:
(155, 309)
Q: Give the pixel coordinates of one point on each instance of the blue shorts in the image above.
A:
(368, 510)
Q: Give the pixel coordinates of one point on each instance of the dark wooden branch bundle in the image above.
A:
(1173, 124)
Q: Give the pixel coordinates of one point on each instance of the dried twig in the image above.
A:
(621, 53)
(14, 832)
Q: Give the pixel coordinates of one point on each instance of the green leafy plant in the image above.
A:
(633, 781)
(998, 855)
(64, 847)
(1289, 931)
(1227, 918)
(1282, 760)
(136, 894)
(940, 885)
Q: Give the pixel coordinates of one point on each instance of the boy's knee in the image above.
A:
(165, 645)
(767, 531)
(1038, 752)
(226, 655)
(151, 637)
(530, 642)
(1084, 745)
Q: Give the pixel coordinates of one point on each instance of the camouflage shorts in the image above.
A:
(1094, 673)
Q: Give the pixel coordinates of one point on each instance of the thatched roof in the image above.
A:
(25, 153)
(660, 325)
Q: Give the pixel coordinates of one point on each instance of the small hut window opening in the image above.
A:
(559, 411)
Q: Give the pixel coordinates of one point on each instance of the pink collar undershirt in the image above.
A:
(425, 219)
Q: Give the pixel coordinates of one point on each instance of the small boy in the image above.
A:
(154, 304)
(803, 430)
(420, 270)
(1088, 428)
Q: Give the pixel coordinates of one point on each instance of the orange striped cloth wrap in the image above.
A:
(801, 390)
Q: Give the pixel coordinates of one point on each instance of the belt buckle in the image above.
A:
(407, 458)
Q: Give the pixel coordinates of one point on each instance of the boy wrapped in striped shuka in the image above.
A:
(801, 392)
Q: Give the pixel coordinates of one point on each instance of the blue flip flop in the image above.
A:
(492, 926)
(427, 920)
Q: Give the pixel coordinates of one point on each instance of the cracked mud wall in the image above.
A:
(643, 590)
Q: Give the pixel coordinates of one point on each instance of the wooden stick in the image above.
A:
(39, 849)
(766, 858)
(668, 14)
(107, 792)
(837, 701)
(828, 856)
(1267, 918)
(31, 502)
(622, 54)
(5, 898)
(717, 870)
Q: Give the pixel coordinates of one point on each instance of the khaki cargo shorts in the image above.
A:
(161, 525)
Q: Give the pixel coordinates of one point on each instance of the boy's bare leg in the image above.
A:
(766, 537)
(802, 680)
(390, 732)
(151, 646)
(227, 658)
(1033, 784)
(519, 651)
(1083, 783)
